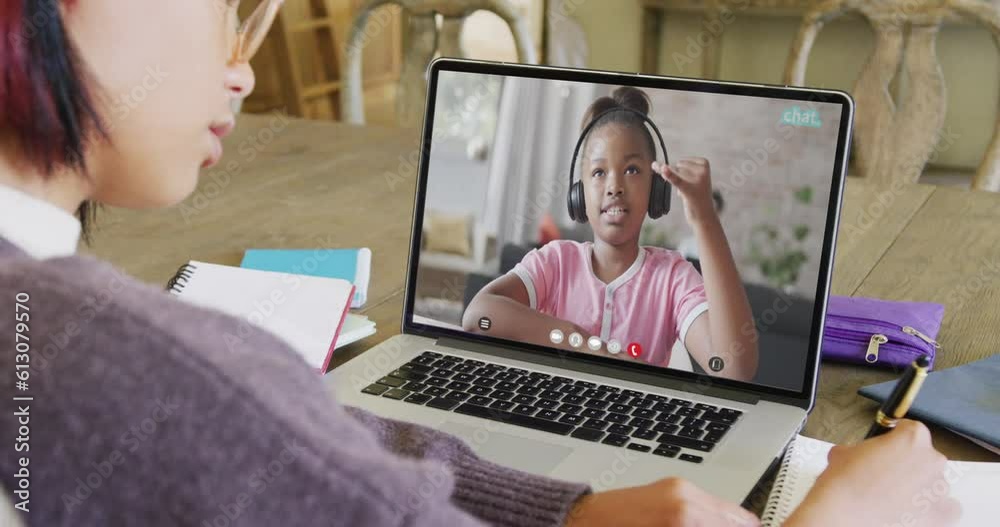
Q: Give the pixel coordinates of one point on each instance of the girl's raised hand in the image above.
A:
(692, 177)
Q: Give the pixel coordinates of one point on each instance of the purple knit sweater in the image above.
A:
(143, 416)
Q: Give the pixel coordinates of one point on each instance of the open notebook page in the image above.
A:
(305, 311)
(974, 485)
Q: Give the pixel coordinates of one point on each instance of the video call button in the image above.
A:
(575, 340)
(614, 347)
(634, 350)
(594, 343)
(716, 363)
(556, 336)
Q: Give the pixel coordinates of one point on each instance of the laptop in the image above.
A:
(521, 336)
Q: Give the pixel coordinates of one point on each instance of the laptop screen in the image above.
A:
(550, 215)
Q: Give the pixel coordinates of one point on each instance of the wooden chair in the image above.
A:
(423, 40)
(895, 139)
(296, 93)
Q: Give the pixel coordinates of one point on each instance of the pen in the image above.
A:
(898, 403)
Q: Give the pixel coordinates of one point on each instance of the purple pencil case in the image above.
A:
(881, 333)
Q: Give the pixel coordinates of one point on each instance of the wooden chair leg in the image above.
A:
(423, 36)
(327, 42)
(988, 175)
(450, 36)
(289, 70)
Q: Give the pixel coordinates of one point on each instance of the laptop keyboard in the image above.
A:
(640, 421)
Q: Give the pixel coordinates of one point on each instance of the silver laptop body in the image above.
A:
(768, 411)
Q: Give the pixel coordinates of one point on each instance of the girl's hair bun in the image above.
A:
(623, 96)
(631, 98)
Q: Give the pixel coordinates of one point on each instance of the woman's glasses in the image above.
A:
(250, 34)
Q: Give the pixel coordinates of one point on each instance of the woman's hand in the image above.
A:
(894, 479)
(670, 502)
(692, 177)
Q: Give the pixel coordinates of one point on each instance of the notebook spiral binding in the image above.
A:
(180, 279)
(778, 510)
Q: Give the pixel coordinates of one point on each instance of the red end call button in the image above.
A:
(634, 350)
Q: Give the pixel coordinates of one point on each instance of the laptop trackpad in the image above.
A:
(508, 450)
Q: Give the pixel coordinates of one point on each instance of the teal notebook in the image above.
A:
(353, 265)
(965, 399)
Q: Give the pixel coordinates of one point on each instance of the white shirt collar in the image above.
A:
(37, 227)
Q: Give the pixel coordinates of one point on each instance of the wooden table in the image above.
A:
(285, 184)
(312, 184)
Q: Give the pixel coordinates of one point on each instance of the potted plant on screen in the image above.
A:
(778, 251)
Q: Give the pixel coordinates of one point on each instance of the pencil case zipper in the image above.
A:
(873, 337)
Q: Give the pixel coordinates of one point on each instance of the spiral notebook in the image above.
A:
(349, 264)
(972, 484)
(305, 311)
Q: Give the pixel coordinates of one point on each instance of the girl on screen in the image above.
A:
(625, 300)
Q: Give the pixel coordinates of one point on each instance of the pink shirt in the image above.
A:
(653, 303)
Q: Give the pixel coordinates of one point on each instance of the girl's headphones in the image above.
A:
(659, 192)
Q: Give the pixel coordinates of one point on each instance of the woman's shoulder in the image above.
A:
(83, 286)
(80, 299)
(128, 380)
(61, 286)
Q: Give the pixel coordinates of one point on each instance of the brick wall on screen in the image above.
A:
(758, 185)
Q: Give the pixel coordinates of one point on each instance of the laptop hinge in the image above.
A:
(582, 365)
